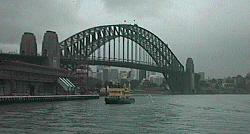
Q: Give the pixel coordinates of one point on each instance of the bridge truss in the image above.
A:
(122, 45)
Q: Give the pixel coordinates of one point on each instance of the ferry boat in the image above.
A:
(119, 95)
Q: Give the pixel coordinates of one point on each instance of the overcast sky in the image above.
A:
(215, 33)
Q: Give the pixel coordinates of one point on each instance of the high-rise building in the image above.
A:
(142, 75)
(152, 73)
(123, 74)
(106, 74)
(202, 76)
(99, 67)
(247, 81)
(28, 44)
(133, 74)
(51, 48)
(99, 75)
(99, 72)
(113, 75)
(190, 65)
(157, 79)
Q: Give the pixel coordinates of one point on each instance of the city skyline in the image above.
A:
(215, 34)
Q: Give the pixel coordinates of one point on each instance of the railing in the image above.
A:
(67, 84)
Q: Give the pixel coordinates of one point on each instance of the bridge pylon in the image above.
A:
(51, 48)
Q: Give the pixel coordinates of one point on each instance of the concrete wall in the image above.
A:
(11, 87)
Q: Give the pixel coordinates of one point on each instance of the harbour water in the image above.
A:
(149, 114)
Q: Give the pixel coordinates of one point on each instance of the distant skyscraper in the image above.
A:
(247, 81)
(99, 67)
(153, 73)
(190, 65)
(99, 75)
(149, 73)
(156, 79)
(113, 75)
(137, 74)
(106, 74)
(99, 72)
(123, 75)
(142, 74)
(202, 76)
(133, 74)
(28, 44)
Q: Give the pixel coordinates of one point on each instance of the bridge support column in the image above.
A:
(190, 76)
(176, 82)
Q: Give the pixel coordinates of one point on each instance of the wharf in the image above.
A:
(28, 99)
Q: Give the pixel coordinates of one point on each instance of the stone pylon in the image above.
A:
(28, 44)
(51, 48)
(190, 75)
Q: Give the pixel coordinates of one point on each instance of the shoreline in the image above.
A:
(49, 98)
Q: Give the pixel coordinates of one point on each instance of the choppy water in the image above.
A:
(150, 114)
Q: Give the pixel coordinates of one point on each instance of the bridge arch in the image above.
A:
(81, 45)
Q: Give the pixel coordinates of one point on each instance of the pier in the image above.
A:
(50, 98)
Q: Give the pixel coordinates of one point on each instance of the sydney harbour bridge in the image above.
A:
(121, 45)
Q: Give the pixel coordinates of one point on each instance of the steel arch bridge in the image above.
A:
(81, 48)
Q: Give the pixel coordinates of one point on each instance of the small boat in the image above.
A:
(117, 95)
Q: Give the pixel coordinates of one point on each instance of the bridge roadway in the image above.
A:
(118, 63)
(40, 60)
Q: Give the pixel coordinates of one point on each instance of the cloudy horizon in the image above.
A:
(215, 33)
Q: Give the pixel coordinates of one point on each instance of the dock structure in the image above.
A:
(50, 98)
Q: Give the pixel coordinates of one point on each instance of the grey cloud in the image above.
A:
(214, 32)
(138, 8)
(34, 16)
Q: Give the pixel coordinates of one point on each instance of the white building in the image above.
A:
(157, 79)
(202, 76)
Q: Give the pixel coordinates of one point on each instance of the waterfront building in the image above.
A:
(133, 74)
(202, 76)
(247, 81)
(156, 79)
(99, 72)
(99, 75)
(152, 73)
(137, 74)
(106, 74)
(19, 78)
(239, 81)
(123, 75)
(228, 83)
(113, 75)
(90, 73)
(94, 75)
(99, 67)
(142, 75)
